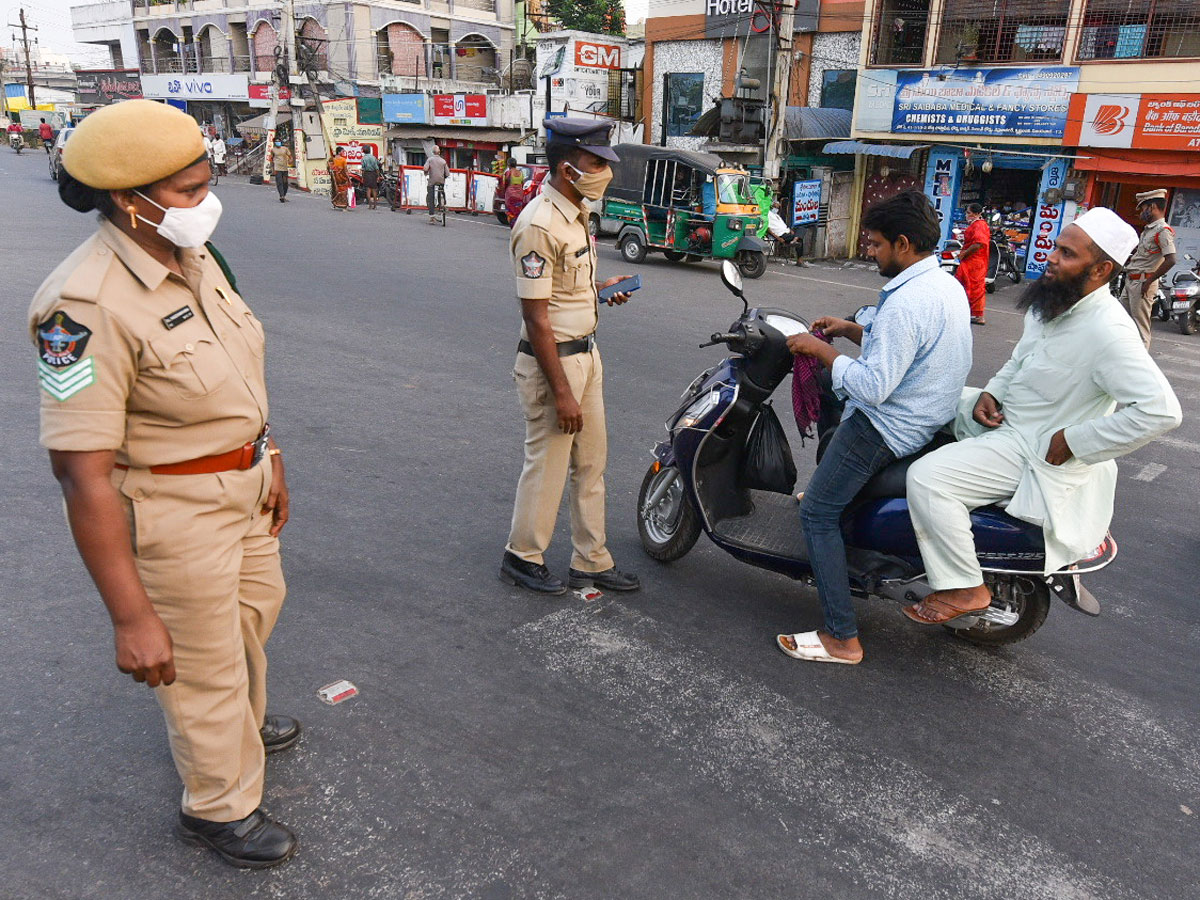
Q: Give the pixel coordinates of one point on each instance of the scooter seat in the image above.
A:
(889, 482)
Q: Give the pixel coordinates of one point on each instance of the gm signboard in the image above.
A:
(405, 109)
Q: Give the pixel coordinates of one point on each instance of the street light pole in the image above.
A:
(25, 29)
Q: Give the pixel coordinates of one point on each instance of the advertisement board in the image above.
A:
(260, 95)
(1016, 102)
(340, 118)
(806, 202)
(404, 108)
(460, 109)
(1135, 121)
(99, 87)
(590, 55)
(1048, 221)
(942, 177)
(211, 86)
(739, 18)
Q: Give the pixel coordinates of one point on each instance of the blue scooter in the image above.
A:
(693, 485)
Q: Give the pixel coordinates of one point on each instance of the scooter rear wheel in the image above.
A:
(670, 528)
(1025, 595)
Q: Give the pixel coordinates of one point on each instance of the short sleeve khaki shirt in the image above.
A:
(135, 359)
(1158, 238)
(553, 260)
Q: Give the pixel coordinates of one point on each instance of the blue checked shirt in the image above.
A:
(915, 358)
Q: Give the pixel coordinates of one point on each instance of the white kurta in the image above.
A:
(1070, 373)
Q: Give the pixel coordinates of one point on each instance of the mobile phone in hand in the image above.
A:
(624, 286)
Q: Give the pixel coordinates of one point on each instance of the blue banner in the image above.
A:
(942, 177)
(1049, 218)
(1019, 102)
(404, 108)
(806, 202)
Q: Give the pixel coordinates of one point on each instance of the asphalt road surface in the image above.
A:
(505, 745)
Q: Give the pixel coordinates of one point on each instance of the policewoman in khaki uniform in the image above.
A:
(558, 371)
(1153, 258)
(154, 410)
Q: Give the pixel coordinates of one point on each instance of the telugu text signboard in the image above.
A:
(406, 109)
(260, 95)
(1016, 102)
(1135, 121)
(98, 87)
(806, 202)
(460, 109)
(1049, 218)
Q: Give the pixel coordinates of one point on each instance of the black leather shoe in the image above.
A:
(255, 842)
(279, 733)
(516, 571)
(609, 580)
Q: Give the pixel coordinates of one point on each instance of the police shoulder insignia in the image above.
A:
(533, 264)
(61, 370)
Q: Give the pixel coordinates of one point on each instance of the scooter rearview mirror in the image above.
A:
(731, 275)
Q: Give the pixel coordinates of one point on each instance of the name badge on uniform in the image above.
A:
(178, 317)
(581, 251)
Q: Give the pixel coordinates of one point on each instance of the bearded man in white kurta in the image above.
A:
(1044, 432)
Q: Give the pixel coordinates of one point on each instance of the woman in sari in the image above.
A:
(341, 179)
(512, 184)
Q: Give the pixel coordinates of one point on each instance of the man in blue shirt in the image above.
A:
(903, 387)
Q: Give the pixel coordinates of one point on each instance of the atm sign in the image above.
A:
(597, 56)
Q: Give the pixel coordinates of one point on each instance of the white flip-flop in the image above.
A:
(809, 647)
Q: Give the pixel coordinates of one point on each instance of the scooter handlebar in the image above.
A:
(720, 338)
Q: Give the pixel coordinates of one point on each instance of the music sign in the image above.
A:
(460, 109)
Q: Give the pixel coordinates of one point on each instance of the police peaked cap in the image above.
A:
(587, 134)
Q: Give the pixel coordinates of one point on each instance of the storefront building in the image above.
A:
(1035, 110)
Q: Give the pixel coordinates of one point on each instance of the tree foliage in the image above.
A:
(599, 16)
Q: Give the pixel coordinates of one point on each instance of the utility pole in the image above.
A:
(286, 69)
(781, 86)
(25, 29)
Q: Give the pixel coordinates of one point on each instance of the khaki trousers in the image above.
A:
(214, 576)
(1138, 306)
(551, 457)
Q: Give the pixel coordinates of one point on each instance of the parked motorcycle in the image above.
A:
(1002, 260)
(948, 256)
(694, 485)
(1185, 298)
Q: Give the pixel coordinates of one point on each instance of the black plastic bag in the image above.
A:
(768, 464)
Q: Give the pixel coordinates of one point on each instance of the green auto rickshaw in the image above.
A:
(684, 204)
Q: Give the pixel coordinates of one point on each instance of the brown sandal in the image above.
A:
(915, 613)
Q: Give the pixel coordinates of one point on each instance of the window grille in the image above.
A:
(1140, 29)
(900, 33)
(1002, 31)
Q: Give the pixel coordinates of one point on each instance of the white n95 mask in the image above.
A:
(189, 226)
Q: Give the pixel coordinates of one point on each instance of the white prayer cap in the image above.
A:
(1111, 233)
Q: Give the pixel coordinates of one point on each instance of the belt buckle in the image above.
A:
(591, 341)
(260, 446)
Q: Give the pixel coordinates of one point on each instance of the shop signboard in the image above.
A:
(1135, 121)
(460, 109)
(408, 109)
(1016, 102)
(942, 181)
(590, 55)
(1048, 219)
(340, 119)
(99, 87)
(740, 18)
(260, 95)
(208, 86)
(806, 202)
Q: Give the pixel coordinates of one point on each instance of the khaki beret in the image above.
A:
(132, 143)
(1160, 194)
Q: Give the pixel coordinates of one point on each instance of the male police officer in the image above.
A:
(558, 371)
(1153, 258)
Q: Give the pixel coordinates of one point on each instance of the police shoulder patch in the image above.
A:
(533, 264)
(61, 342)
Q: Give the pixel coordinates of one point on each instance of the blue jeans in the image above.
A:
(855, 453)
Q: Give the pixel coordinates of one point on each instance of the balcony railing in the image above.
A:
(189, 65)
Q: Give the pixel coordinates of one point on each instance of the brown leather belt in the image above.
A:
(247, 456)
(1138, 276)
(566, 348)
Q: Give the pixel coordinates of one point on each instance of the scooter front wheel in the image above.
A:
(1024, 597)
(669, 526)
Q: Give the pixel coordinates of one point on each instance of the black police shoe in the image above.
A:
(516, 571)
(255, 842)
(279, 733)
(609, 580)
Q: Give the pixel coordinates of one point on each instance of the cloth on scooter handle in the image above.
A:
(768, 464)
(806, 391)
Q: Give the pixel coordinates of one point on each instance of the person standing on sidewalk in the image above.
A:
(436, 171)
(370, 176)
(281, 161)
(154, 412)
(973, 262)
(559, 376)
(1153, 258)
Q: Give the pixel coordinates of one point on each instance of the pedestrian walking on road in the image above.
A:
(559, 376)
(218, 152)
(339, 175)
(973, 262)
(154, 410)
(281, 161)
(1153, 258)
(436, 171)
(370, 177)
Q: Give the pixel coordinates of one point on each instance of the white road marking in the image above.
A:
(1149, 472)
(777, 755)
(1181, 443)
